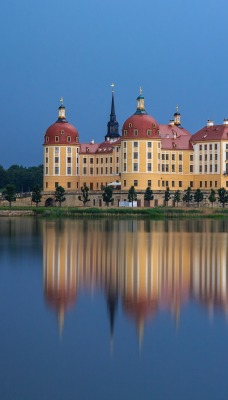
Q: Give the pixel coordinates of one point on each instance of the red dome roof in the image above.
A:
(65, 132)
(146, 126)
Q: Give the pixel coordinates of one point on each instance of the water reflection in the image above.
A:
(150, 266)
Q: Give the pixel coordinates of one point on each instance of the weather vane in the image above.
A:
(177, 107)
(112, 85)
(61, 100)
(140, 90)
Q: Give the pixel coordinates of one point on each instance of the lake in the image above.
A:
(113, 309)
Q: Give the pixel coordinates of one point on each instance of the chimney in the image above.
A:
(210, 123)
(225, 121)
(92, 141)
(171, 122)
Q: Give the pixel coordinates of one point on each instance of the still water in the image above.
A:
(105, 309)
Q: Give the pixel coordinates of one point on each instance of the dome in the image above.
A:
(140, 125)
(62, 133)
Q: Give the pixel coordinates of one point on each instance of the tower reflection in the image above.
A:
(150, 266)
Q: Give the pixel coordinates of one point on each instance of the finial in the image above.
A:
(140, 90)
(112, 86)
(177, 108)
(61, 100)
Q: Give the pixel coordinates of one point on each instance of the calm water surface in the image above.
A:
(105, 309)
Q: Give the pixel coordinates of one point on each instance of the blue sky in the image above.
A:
(176, 50)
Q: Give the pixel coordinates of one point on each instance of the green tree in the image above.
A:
(223, 196)
(84, 197)
(9, 194)
(187, 198)
(132, 195)
(212, 197)
(59, 195)
(167, 196)
(198, 196)
(177, 197)
(107, 195)
(36, 195)
(148, 195)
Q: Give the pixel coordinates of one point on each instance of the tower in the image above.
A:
(112, 125)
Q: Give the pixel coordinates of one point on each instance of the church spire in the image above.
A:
(112, 126)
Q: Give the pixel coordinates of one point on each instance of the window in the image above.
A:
(117, 159)
(46, 185)
(47, 139)
(101, 170)
(46, 170)
(117, 170)
(191, 184)
(125, 156)
(180, 183)
(158, 183)
(173, 168)
(149, 154)
(148, 132)
(205, 147)
(68, 170)
(136, 132)
(173, 157)
(163, 156)
(56, 170)
(205, 157)
(56, 160)
(56, 139)
(125, 145)
(216, 146)
(200, 168)
(106, 160)
(46, 160)
(163, 167)
(56, 184)
(210, 157)
(135, 182)
(210, 146)
(216, 168)
(167, 157)
(110, 159)
(191, 157)
(149, 183)
(97, 171)
(101, 160)
(125, 132)
(149, 144)
(97, 160)
(68, 138)
(200, 157)
(68, 160)
(166, 168)
(106, 170)
(68, 185)
(91, 160)
(84, 170)
(125, 167)
(163, 183)
(135, 144)
(56, 150)
(180, 157)
(68, 149)
(173, 184)
(91, 171)
(226, 183)
(135, 155)
(201, 183)
(135, 167)
(216, 184)
(130, 125)
(205, 183)
(216, 157)
(110, 170)
(84, 160)
(46, 149)
(180, 168)
(149, 167)
(205, 169)
(191, 168)
(210, 184)
(125, 183)
(200, 147)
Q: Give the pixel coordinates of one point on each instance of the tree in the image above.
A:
(212, 197)
(84, 197)
(167, 196)
(148, 195)
(198, 196)
(9, 194)
(132, 195)
(107, 195)
(177, 197)
(223, 196)
(59, 195)
(187, 198)
(36, 195)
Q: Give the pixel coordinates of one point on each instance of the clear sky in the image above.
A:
(175, 49)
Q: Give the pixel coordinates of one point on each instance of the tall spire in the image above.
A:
(112, 125)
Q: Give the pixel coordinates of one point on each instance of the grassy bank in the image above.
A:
(152, 213)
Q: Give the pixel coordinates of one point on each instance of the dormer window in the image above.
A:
(135, 132)
(125, 132)
(56, 138)
(47, 138)
(69, 138)
(130, 125)
(62, 132)
(154, 125)
(149, 132)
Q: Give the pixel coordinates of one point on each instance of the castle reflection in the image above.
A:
(150, 266)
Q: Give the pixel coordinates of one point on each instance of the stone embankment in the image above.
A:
(15, 213)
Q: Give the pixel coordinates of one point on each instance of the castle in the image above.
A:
(145, 154)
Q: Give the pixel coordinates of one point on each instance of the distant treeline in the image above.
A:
(22, 178)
